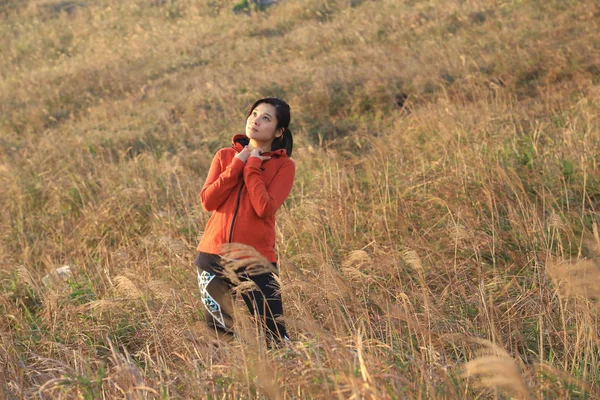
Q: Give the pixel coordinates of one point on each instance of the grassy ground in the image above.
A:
(441, 240)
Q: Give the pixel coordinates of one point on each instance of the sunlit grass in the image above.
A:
(440, 241)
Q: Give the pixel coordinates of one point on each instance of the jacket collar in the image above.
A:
(240, 141)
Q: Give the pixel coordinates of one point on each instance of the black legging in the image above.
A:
(264, 302)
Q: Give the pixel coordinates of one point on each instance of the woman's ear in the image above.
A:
(280, 133)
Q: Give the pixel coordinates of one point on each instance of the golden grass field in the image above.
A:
(441, 240)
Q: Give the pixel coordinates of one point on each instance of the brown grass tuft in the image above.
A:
(445, 152)
(242, 258)
(580, 279)
(494, 368)
(126, 288)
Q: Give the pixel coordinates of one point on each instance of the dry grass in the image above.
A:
(440, 242)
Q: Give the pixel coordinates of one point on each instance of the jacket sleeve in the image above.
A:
(266, 201)
(220, 182)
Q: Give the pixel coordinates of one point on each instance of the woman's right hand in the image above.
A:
(244, 154)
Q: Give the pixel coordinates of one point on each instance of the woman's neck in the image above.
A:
(264, 146)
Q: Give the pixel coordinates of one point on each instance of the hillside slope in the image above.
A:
(441, 240)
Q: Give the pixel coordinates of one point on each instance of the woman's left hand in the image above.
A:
(257, 153)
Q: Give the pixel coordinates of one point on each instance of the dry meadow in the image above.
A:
(441, 240)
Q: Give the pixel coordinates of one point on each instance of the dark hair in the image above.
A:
(282, 113)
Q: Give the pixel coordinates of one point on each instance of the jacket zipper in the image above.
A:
(237, 207)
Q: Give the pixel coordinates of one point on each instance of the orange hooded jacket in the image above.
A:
(244, 198)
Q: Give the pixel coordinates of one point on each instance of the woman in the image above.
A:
(245, 186)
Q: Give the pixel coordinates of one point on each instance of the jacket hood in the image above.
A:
(238, 142)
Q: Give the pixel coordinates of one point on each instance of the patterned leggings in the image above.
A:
(263, 302)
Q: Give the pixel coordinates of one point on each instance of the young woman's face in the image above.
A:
(261, 125)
